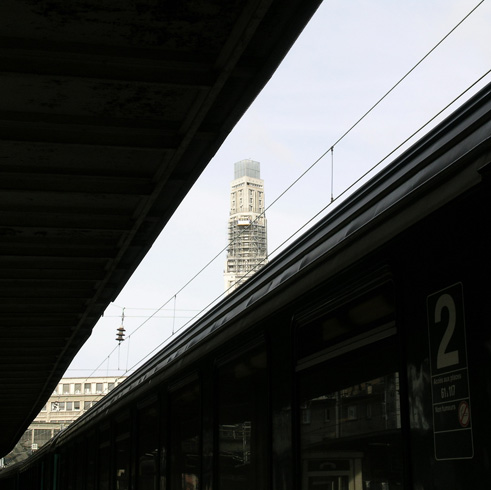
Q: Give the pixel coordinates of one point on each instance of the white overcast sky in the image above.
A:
(349, 55)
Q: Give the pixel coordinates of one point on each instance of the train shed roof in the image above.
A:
(110, 110)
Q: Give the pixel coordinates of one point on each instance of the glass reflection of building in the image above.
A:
(349, 407)
(347, 437)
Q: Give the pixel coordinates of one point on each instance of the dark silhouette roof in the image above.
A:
(109, 113)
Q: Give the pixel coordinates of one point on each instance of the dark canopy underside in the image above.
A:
(109, 111)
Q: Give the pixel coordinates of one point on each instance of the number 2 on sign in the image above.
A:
(445, 359)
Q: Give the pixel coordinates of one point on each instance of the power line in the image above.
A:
(406, 75)
(300, 177)
(342, 194)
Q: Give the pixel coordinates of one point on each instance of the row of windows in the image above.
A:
(251, 207)
(248, 184)
(345, 414)
(88, 388)
(68, 406)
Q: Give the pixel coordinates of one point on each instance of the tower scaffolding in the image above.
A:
(247, 225)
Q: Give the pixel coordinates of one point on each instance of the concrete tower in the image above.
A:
(247, 250)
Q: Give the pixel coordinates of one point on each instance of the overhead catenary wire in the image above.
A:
(342, 194)
(126, 308)
(332, 173)
(331, 148)
(174, 318)
(301, 176)
(408, 73)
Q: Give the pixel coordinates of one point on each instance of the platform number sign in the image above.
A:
(452, 423)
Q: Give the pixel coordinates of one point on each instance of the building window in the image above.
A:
(185, 437)
(242, 422)
(66, 389)
(44, 409)
(110, 386)
(327, 415)
(305, 416)
(78, 388)
(87, 405)
(69, 406)
(62, 406)
(87, 388)
(148, 447)
(76, 405)
(55, 406)
(352, 412)
(98, 388)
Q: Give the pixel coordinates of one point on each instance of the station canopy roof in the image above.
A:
(109, 112)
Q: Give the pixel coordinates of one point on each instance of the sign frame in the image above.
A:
(449, 374)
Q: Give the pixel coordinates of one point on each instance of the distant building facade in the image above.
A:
(247, 227)
(71, 398)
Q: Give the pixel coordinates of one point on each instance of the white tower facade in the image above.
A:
(247, 235)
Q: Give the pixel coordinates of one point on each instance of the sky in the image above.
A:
(350, 54)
